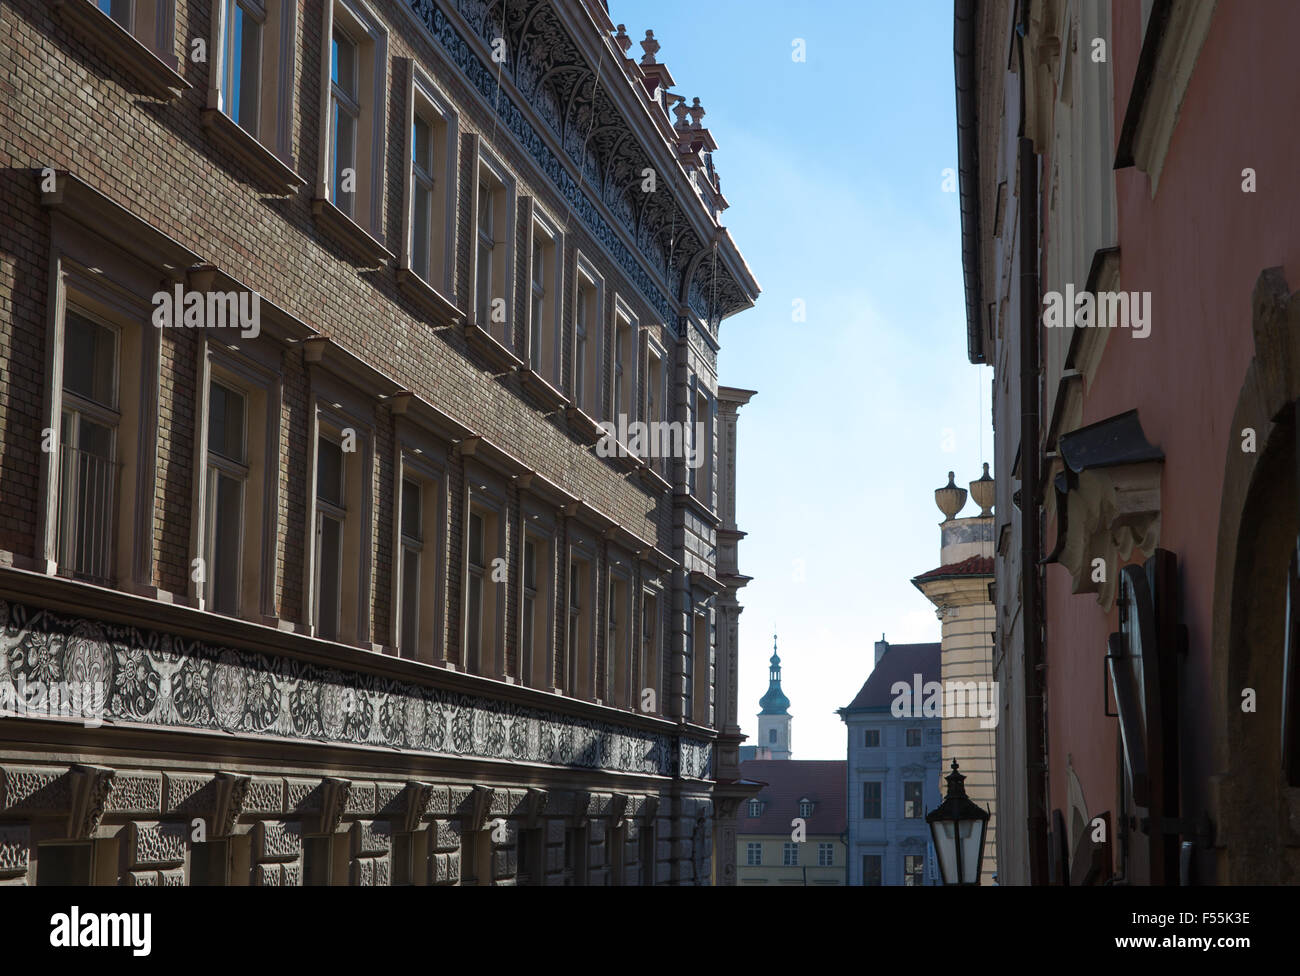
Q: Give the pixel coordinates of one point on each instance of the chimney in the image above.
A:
(882, 646)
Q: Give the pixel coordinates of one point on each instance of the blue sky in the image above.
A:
(834, 169)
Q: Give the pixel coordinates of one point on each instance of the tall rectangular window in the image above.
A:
(88, 467)
(913, 738)
(474, 594)
(913, 808)
(581, 354)
(654, 406)
(753, 854)
(575, 856)
(649, 675)
(913, 869)
(331, 513)
(871, 869)
(871, 738)
(241, 62)
(825, 855)
(422, 197)
(528, 626)
(227, 481)
(617, 649)
(575, 625)
(790, 854)
(871, 801)
(486, 246)
(582, 628)
(646, 856)
(412, 548)
(345, 115)
(623, 380)
(537, 310)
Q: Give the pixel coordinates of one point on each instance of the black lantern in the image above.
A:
(957, 827)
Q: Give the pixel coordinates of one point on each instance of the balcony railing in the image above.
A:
(87, 514)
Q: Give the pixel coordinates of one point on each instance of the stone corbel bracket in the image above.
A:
(1106, 501)
(334, 800)
(417, 800)
(89, 787)
(231, 790)
(477, 807)
(533, 807)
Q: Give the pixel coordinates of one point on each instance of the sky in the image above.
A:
(834, 168)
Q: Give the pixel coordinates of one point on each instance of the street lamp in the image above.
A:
(957, 827)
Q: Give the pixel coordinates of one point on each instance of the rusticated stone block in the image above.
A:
(383, 871)
(141, 879)
(187, 793)
(389, 798)
(15, 850)
(135, 793)
(598, 804)
(446, 836)
(291, 874)
(361, 800)
(156, 844)
(504, 863)
(35, 788)
(500, 805)
(173, 878)
(439, 804)
(596, 832)
(554, 831)
(278, 840)
(363, 872)
(440, 866)
(303, 795)
(264, 796)
(460, 798)
(371, 837)
(268, 875)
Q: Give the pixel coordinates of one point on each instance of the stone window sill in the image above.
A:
(543, 390)
(441, 311)
(348, 232)
(270, 171)
(492, 349)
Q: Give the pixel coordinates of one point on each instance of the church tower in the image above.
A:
(774, 719)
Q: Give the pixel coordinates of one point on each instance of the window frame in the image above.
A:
(876, 802)
(581, 618)
(789, 854)
(545, 355)
(585, 376)
(485, 493)
(655, 400)
(753, 854)
(426, 100)
(536, 665)
(502, 189)
(619, 664)
(918, 803)
(624, 371)
(422, 458)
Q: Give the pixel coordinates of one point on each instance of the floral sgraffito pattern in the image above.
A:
(155, 679)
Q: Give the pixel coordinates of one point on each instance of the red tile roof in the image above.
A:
(788, 781)
(901, 662)
(973, 566)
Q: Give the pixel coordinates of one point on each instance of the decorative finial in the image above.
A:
(697, 112)
(983, 489)
(651, 48)
(950, 498)
(680, 110)
(622, 40)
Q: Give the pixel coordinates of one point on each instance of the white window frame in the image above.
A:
(494, 175)
(623, 371)
(655, 405)
(277, 74)
(423, 459)
(545, 352)
(424, 99)
(485, 492)
(586, 373)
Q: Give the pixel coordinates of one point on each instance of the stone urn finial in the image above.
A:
(621, 38)
(697, 112)
(679, 111)
(982, 489)
(950, 498)
(651, 48)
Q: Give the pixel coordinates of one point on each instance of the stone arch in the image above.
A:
(1255, 813)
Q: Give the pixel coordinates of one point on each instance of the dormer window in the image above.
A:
(755, 807)
(805, 808)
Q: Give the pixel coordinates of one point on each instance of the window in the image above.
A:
(345, 118)
(243, 23)
(331, 514)
(871, 738)
(474, 593)
(428, 227)
(913, 738)
(412, 523)
(494, 230)
(805, 808)
(210, 863)
(771, 735)
(588, 301)
(623, 379)
(148, 24)
(912, 801)
(655, 400)
(913, 869)
(871, 869)
(119, 11)
(317, 855)
(227, 481)
(649, 647)
(528, 626)
(545, 280)
(536, 600)
(753, 854)
(702, 683)
(755, 808)
(790, 854)
(825, 855)
(699, 462)
(575, 856)
(530, 857)
(646, 856)
(476, 857)
(354, 87)
(484, 603)
(403, 859)
(871, 801)
(580, 663)
(65, 864)
(618, 646)
(89, 472)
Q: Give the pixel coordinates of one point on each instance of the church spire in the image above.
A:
(774, 702)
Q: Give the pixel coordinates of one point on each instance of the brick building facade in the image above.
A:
(354, 593)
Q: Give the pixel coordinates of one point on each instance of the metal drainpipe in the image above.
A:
(1035, 739)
